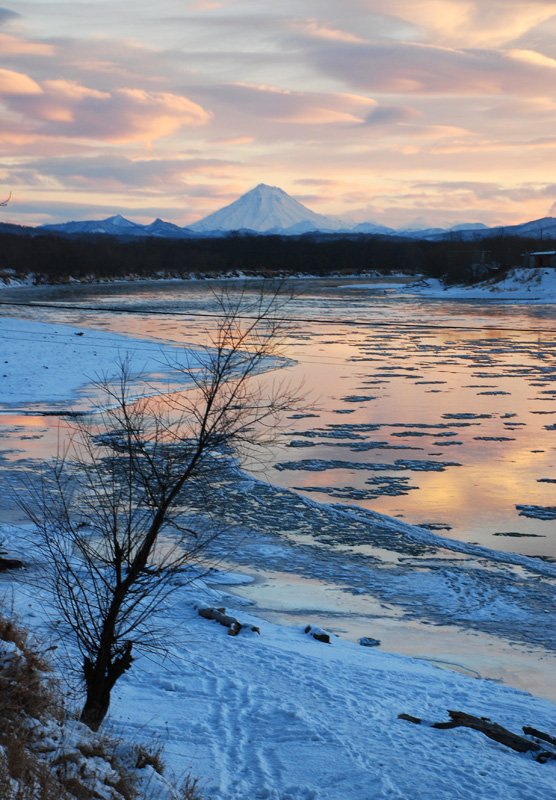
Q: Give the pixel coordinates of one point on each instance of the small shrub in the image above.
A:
(189, 790)
(149, 758)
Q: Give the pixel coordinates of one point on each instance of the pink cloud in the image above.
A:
(66, 108)
(237, 103)
(475, 23)
(326, 31)
(72, 90)
(17, 84)
(13, 45)
(415, 68)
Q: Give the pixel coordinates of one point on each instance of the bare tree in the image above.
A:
(109, 513)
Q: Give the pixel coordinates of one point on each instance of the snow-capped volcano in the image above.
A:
(265, 209)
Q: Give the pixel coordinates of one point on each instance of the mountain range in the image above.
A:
(270, 210)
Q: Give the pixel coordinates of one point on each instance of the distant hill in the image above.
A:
(115, 226)
(18, 230)
(118, 226)
(544, 228)
(165, 229)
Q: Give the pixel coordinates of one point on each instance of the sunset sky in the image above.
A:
(403, 112)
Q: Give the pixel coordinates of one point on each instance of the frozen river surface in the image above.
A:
(439, 413)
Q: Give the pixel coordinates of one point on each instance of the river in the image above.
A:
(440, 413)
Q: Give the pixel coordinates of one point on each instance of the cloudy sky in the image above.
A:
(398, 111)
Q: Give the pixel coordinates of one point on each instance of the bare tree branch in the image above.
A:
(108, 511)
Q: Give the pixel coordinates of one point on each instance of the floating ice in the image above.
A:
(436, 434)
(494, 438)
(317, 465)
(435, 526)
(467, 415)
(358, 398)
(383, 485)
(356, 447)
(537, 512)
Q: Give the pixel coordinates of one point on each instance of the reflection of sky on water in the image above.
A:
(501, 378)
(29, 436)
(286, 599)
(416, 377)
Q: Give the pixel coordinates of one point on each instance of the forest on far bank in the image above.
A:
(56, 258)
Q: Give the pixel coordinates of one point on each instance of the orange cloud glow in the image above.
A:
(73, 90)
(322, 31)
(472, 23)
(16, 83)
(13, 45)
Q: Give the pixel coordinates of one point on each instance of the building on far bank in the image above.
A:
(540, 258)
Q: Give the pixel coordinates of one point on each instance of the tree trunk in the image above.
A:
(99, 682)
(96, 705)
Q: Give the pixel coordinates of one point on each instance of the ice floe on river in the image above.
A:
(46, 363)
(319, 465)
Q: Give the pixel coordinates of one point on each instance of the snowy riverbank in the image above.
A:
(280, 715)
(519, 285)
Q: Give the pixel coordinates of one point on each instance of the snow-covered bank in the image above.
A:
(14, 281)
(9, 280)
(518, 285)
(42, 362)
(281, 716)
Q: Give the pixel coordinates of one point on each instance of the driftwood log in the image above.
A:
(9, 563)
(527, 729)
(219, 615)
(318, 634)
(521, 744)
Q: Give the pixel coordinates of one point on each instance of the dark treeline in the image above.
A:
(53, 258)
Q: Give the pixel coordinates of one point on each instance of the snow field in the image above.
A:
(282, 717)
